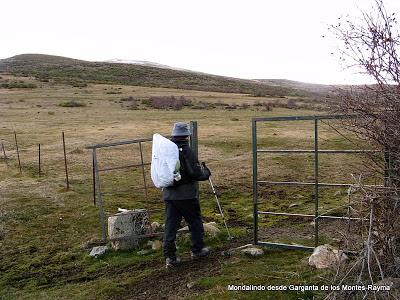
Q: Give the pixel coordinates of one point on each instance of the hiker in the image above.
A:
(181, 199)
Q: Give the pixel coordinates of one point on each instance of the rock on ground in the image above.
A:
(155, 226)
(98, 251)
(209, 228)
(253, 251)
(125, 227)
(325, 256)
(143, 252)
(156, 245)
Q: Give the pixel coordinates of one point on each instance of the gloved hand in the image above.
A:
(206, 168)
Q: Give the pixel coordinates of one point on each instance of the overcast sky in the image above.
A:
(243, 38)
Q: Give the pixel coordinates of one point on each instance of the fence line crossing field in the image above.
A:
(47, 222)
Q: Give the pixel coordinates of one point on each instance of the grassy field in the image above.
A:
(45, 229)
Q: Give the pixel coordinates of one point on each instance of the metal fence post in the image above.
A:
(99, 197)
(94, 181)
(143, 170)
(255, 179)
(316, 190)
(194, 145)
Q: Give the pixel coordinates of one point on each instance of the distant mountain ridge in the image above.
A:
(142, 63)
(311, 87)
(141, 73)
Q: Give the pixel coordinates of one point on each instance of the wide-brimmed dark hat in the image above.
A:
(180, 129)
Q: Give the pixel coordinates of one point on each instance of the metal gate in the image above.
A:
(316, 183)
(98, 194)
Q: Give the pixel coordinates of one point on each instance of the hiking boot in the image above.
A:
(171, 263)
(203, 253)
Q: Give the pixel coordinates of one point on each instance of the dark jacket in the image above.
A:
(190, 170)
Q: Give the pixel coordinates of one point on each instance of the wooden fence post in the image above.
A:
(40, 161)
(65, 161)
(16, 145)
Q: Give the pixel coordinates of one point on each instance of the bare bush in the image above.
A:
(169, 102)
(372, 45)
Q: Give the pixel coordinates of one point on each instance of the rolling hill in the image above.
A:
(68, 70)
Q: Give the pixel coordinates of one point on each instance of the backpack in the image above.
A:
(165, 163)
(184, 176)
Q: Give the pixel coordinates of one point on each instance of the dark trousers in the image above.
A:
(190, 211)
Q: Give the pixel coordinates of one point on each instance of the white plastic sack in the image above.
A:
(164, 161)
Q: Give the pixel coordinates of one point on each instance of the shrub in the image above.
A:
(291, 104)
(132, 102)
(18, 85)
(232, 106)
(220, 103)
(72, 103)
(146, 102)
(203, 105)
(133, 106)
(114, 92)
(267, 106)
(168, 102)
(130, 98)
(259, 94)
(79, 84)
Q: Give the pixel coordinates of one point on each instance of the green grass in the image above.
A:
(273, 268)
(44, 226)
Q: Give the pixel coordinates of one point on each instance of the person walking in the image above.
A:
(181, 199)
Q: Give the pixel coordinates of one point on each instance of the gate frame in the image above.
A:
(98, 194)
(316, 216)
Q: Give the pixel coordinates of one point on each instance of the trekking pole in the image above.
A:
(219, 207)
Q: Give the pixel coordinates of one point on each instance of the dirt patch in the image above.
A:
(333, 232)
(172, 284)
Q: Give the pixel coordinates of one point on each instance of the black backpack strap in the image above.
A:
(192, 167)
